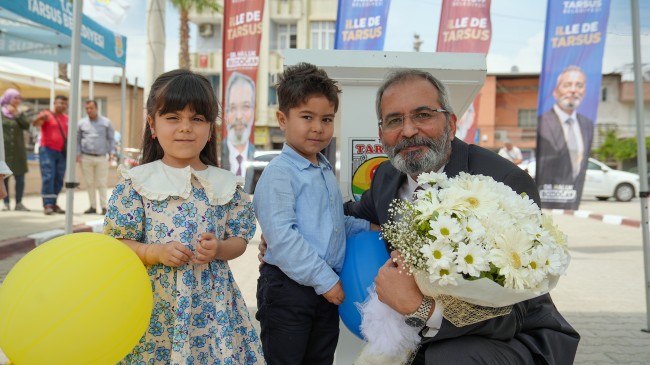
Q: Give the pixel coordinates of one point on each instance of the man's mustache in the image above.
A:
(415, 141)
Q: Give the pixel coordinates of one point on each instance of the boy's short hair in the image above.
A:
(302, 81)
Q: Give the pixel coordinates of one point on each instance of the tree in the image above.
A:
(618, 149)
(184, 7)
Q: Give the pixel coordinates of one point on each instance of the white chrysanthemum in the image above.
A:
(472, 195)
(511, 255)
(558, 236)
(447, 229)
(425, 207)
(445, 277)
(537, 265)
(474, 229)
(557, 261)
(471, 259)
(439, 255)
(431, 178)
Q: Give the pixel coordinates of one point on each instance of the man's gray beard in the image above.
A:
(238, 140)
(413, 163)
(569, 105)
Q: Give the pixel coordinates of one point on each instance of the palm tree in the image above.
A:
(184, 7)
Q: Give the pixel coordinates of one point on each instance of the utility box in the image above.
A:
(358, 148)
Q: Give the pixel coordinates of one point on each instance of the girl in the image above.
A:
(185, 218)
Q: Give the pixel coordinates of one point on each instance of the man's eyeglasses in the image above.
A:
(420, 118)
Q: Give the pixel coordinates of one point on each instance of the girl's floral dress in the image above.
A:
(199, 315)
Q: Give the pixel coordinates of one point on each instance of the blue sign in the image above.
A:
(41, 29)
(361, 24)
(568, 98)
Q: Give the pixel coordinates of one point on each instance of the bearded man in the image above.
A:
(564, 136)
(417, 127)
(236, 148)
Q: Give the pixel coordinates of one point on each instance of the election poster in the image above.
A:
(361, 24)
(465, 26)
(242, 36)
(568, 98)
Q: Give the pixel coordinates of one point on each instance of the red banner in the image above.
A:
(241, 46)
(465, 26)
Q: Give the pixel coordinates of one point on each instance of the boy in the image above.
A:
(299, 208)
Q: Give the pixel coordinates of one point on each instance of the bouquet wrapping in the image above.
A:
(475, 246)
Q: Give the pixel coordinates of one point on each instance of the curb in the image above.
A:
(13, 246)
(605, 218)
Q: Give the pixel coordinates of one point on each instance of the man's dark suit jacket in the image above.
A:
(553, 159)
(536, 322)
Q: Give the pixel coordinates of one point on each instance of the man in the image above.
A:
(564, 137)
(52, 152)
(417, 127)
(95, 140)
(511, 152)
(236, 148)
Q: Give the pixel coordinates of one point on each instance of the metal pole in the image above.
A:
(70, 183)
(91, 85)
(641, 152)
(155, 48)
(123, 112)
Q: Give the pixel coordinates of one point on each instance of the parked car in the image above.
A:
(601, 181)
(256, 167)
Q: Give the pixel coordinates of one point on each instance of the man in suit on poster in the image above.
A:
(236, 148)
(564, 136)
(417, 127)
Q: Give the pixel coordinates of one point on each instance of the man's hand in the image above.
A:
(396, 288)
(207, 249)
(262, 248)
(336, 294)
(172, 254)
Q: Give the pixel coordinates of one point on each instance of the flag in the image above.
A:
(569, 90)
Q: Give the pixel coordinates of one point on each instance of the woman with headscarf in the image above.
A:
(14, 122)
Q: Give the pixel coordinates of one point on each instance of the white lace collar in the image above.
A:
(157, 181)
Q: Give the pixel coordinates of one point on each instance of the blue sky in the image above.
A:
(517, 35)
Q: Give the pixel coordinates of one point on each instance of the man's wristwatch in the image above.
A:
(420, 316)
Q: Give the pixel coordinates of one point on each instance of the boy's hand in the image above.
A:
(207, 249)
(172, 254)
(336, 294)
(262, 248)
(375, 227)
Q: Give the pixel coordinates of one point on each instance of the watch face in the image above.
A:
(414, 321)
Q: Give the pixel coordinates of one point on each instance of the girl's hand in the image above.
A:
(172, 254)
(207, 249)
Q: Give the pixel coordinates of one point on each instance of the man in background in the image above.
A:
(95, 141)
(511, 152)
(52, 152)
(236, 148)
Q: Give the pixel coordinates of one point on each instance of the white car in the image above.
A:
(601, 181)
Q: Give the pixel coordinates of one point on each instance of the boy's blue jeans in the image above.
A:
(52, 173)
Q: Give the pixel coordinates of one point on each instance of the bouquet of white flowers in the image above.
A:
(475, 246)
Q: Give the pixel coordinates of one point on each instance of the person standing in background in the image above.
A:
(14, 122)
(95, 140)
(52, 153)
(511, 152)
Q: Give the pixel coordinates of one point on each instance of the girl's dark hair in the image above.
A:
(302, 81)
(173, 91)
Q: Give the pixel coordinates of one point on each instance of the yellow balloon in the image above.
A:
(83, 298)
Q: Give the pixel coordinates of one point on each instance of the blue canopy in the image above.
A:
(41, 29)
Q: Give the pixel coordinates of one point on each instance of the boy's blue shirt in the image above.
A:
(300, 210)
